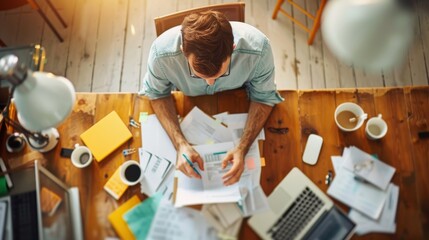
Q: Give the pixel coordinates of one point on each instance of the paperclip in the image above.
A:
(127, 152)
(134, 124)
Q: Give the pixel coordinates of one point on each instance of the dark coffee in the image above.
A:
(15, 142)
(84, 158)
(132, 173)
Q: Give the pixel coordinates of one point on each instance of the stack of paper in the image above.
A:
(156, 142)
(225, 217)
(180, 223)
(363, 183)
(222, 131)
(212, 138)
(155, 170)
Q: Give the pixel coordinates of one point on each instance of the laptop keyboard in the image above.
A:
(297, 216)
(24, 215)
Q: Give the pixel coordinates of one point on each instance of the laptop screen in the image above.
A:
(55, 208)
(333, 225)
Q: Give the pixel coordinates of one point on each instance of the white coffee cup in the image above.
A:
(15, 142)
(81, 156)
(349, 116)
(131, 173)
(376, 128)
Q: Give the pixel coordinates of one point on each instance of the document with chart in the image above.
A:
(210, 188)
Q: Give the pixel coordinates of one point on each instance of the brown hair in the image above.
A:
(207, 35)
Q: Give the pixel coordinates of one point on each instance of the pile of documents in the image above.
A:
(212, 137)
(363, 182)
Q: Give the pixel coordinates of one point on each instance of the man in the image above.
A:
(209, 54)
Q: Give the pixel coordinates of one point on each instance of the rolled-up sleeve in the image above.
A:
(262, 88)
(155, 83)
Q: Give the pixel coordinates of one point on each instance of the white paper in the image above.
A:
(156, 141)
(236, 122)
(225, 217)
(363, 197)
(386, 222)
(191, 191)
(212, 156)
(380, 174)
(156, 171)
(200, 128)
(253, 201)
(180, 223)
(337, 162)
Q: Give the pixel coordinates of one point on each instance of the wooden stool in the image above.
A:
(316, 19)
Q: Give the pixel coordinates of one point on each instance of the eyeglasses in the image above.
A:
(364, 165)
(223, 75)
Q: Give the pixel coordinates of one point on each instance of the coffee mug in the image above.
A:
(376, 128)
(131, 173)
(349, 116)
(81, 156)
(15, 142)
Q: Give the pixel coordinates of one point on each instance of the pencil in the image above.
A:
(190, 163)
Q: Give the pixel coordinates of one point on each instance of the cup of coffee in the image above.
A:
(349, 116)
(81, 156)
(131, 172)
(376, 128)
(15, 142)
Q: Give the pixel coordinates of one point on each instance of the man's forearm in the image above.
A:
(167, 115)
(257, 116)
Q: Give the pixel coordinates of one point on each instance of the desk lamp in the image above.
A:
(42, 101)
(371, 34)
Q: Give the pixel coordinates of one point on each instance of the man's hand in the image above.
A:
(193, 156)
(236, 157)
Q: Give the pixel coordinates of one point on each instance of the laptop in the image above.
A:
(40, 206)
(300, 210)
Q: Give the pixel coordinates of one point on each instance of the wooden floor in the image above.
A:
(107, 43)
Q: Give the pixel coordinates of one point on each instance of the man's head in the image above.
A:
(207, 44)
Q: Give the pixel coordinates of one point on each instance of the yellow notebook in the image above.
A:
(118, 223)
(106, 136)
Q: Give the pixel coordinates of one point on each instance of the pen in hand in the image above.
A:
(190, 163)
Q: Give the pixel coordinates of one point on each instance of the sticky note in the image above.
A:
(143, 117)
(114, 186)
(250, 163)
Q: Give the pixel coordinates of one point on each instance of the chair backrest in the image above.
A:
(11, 4)
(233, 11)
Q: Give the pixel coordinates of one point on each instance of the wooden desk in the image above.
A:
(304, 112)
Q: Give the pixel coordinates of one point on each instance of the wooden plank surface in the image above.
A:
(418, 112)
(100, 54)
(132, 63)
(302, 113)
(110, 46)
(82, 49)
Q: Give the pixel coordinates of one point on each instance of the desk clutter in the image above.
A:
(363, 182)
(165, 213)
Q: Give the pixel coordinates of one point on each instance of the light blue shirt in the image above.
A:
(252, 66)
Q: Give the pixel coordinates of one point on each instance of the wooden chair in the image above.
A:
(316, 19)
(11, 4)
(233, 11)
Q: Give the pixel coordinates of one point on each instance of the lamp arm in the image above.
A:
(37, 137)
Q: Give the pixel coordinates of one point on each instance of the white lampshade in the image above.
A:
(43, 101)
(372, 34)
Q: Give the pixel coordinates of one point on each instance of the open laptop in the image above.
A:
(40, 206)
(300, 210)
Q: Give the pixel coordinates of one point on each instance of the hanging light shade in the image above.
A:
(371, 34)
